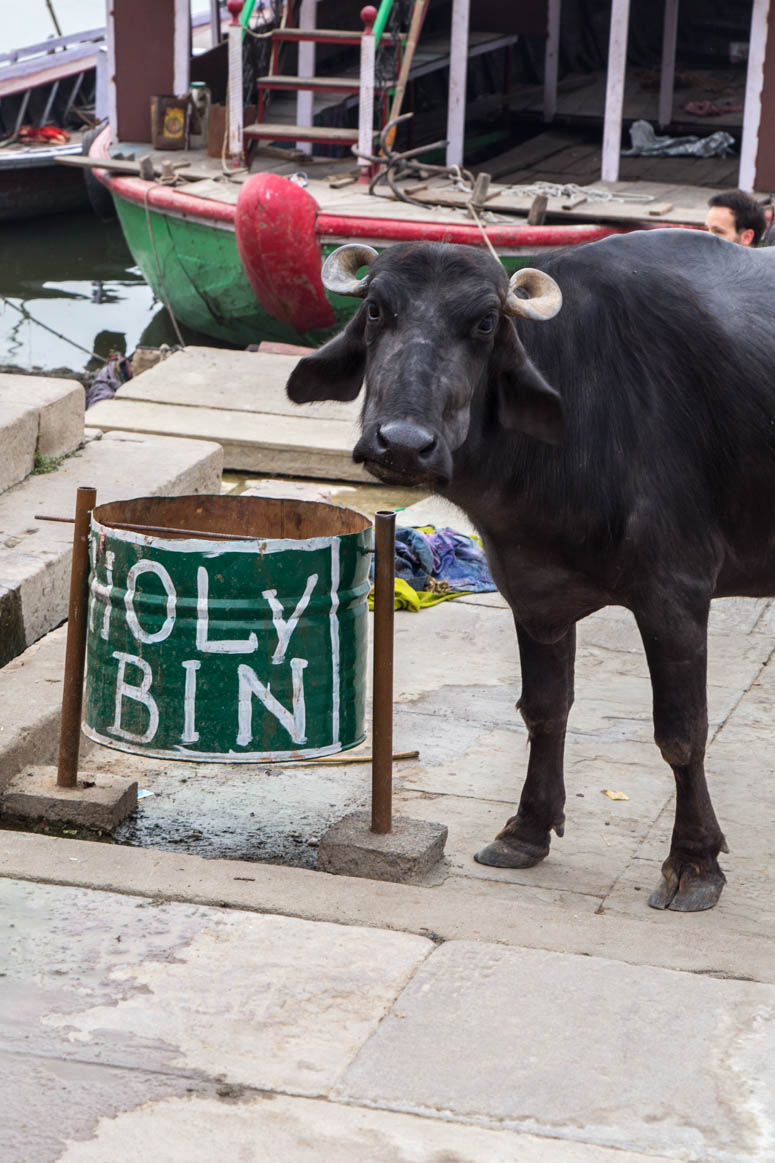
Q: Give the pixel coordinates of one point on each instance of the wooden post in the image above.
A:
(382, 687)
(757, 47)
(551, 58)
(75, 650)
(614, 92)
(305, 98)
(667, 79)
(366, 99)
(458, 67)
(236, 106)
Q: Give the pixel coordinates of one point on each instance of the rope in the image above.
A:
(571, 190)
(480, 224)
(31, 318)
(165, 297)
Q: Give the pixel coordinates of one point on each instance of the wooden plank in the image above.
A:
(281, 131)
(523, 156)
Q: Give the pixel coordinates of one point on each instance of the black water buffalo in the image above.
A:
(621, 452)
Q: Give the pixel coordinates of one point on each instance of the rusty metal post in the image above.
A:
(75, 655)
(382, 695)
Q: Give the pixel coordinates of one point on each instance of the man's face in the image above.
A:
(721, 221)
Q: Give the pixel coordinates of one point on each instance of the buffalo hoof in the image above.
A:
(502, 855)
(689, 892)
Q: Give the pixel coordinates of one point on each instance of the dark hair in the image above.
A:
(747, 212)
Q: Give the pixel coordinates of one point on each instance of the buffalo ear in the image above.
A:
(524, 399)
(335, 371)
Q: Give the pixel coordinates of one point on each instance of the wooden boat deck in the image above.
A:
(667, 190)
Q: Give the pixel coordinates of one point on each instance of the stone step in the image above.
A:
(40, 414)
(238, 398)
(252, 441)
(19, 437)
(243, 381)
(35, 555)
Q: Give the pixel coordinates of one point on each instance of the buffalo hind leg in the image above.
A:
(676, 649)
(546, 699)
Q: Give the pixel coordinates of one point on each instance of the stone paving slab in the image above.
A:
(636, 1058)
(97, 978)
(458, 908)
(298, 1130)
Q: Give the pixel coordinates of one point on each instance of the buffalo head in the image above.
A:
(435, 333)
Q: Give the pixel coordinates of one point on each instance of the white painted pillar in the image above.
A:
(305, 99)
(749, 146)
(551, 58)
(236, 108)
(112, 94)
(101, 105)
(366, 98)
(182, 49)
(667, 79)
(215, 22)
(458, 66)
(614, 90)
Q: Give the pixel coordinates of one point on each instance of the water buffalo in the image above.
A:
(618, 452)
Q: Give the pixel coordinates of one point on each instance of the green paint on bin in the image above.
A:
(244, 649)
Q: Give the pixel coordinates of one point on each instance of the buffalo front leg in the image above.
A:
(546, 700)
(676, 649)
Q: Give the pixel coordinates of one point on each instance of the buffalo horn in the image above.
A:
(342, 265)
(545, 296)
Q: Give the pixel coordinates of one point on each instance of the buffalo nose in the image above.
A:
(406, 439)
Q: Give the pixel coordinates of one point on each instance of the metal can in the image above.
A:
(229, 629)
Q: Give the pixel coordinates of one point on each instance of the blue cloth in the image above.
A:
(441, 555)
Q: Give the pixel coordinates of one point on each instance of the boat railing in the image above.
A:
(52, 44)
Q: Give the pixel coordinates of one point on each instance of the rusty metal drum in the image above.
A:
(229, 629)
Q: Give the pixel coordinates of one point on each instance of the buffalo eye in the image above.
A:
(372, 310)
(486, 326)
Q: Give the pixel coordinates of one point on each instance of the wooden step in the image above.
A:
(320, 84)
(326, 35)
(324, 135)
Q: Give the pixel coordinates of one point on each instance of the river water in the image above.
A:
(74, 274)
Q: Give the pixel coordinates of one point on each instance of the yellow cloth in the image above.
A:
(406, 598)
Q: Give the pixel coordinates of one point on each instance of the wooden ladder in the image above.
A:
(278, 82)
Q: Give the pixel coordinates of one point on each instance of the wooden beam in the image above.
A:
(749, 146)
(614, 92)
(551, 58)
(667, 79)
(458, 66)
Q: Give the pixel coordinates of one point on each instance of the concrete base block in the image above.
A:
(99, 802)
(411, 850)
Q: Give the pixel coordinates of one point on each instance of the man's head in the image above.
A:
(736, 216)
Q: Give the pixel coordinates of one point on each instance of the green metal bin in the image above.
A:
(229, 629)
